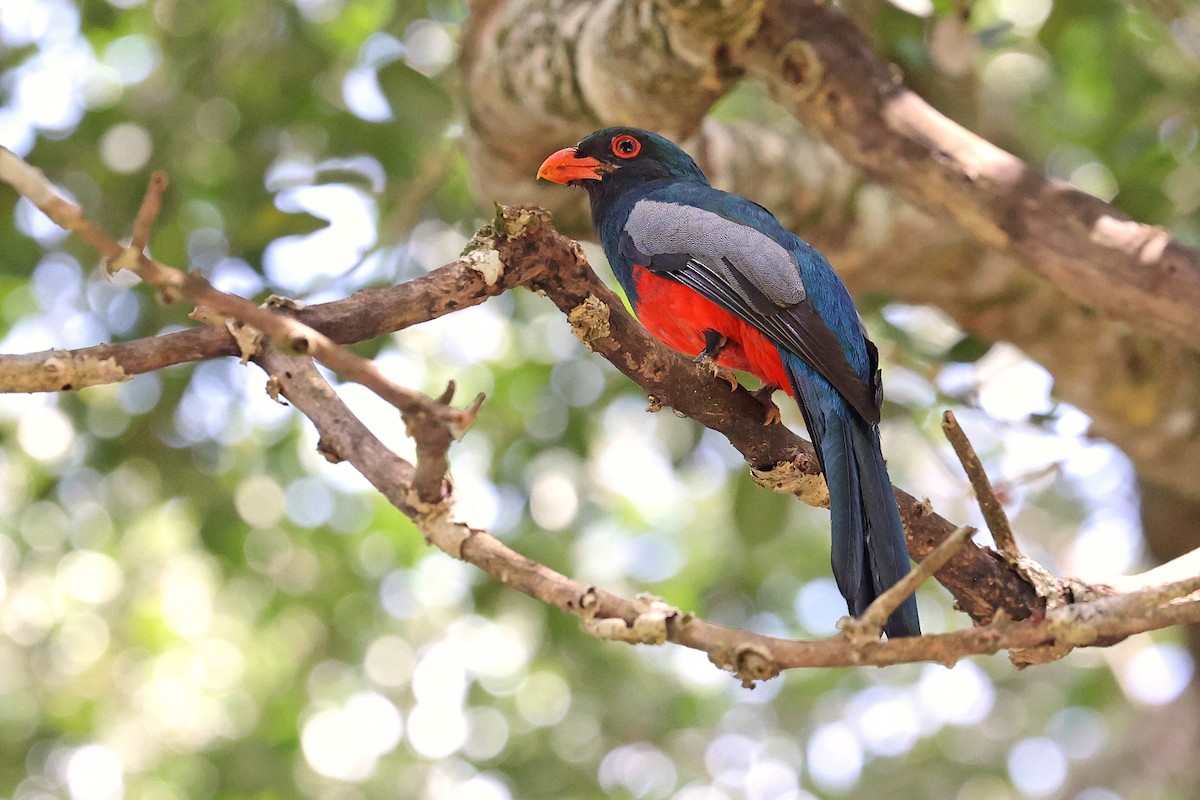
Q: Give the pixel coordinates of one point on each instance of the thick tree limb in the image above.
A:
(817, 63)
(821, 68)
(1140, 390)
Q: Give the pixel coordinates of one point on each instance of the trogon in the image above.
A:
(714, 275)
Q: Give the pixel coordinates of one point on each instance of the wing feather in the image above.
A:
(796, 326)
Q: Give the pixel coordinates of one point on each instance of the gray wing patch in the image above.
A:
(762, 272)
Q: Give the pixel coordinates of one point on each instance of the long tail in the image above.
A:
(869, 553)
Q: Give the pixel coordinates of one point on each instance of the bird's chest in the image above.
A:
(676, 315)
(679, 317)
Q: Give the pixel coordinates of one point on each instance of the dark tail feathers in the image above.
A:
(875, 529)
(869, 553)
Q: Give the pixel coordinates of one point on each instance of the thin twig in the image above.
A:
(31, 183)
(883, 606)
(287, 332)
(989, 504)
(148, 213)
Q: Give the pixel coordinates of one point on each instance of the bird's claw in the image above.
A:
(726, 375)
(770, 410)
(705, 362)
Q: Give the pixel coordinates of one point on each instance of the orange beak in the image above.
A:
(566, 166)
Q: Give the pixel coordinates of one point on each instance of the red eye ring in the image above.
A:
(626, 146)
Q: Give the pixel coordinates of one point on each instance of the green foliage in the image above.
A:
(195, 604)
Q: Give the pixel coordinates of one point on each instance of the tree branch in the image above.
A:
(598, 318)
(817, 63)
(981, 582)
(750, 656)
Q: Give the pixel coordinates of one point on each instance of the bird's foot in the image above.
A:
(726, 375)
(770, 410)
(706, 363)
(714, 343)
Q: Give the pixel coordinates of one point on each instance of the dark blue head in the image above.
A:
(613, 160)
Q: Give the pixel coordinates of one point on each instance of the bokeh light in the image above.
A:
(94, 772)
(345, 742)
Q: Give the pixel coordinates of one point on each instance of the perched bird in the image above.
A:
(714, 274)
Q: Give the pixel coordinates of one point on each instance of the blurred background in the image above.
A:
(194, 604)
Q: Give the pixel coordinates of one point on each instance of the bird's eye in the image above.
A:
(626, 146)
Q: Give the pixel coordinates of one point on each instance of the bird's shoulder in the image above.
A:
(730, 207)
(702, 235)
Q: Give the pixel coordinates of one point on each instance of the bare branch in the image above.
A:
(63, 370)
(143, 225)
(523, 246)
(981, 581)
(989, 504)
(750, 656)
(364, 315)
(285, 331)
(32, 184)
(598, 318)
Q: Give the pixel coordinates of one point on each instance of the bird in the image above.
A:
(714, 275)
